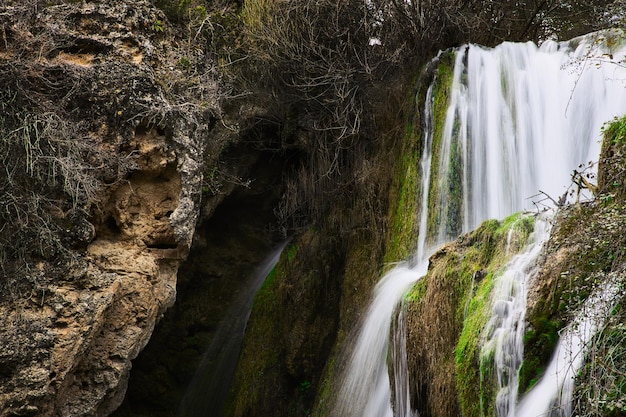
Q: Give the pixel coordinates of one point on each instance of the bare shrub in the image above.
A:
(320, 68)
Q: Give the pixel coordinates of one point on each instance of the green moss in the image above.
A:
(474, 383)
(416, 293)
(491, 246)
(324, 393)
(615, 131)
(455, 189)
(459, 283)
(612, 164)
(456, 293)
(541, 339)
(402, 235)
(291, 252)
(261, 340)
(518, 221)
(404, 195)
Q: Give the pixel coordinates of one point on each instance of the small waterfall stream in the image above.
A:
(505, 329)
(206, 394)
(553, 393)
(520, 119)
(365, 389)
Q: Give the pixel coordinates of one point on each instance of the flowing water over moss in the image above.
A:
(505, 146)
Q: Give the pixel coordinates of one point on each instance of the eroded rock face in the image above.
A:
(68, 342)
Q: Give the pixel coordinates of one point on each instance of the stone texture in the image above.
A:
(67, 344)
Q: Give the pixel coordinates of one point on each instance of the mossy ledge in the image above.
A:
(289, 333)
(447, 310)
(441, 100)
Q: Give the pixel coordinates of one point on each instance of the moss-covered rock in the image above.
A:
(292, 327)
(447, 311)
(437, 192)
(612, 164)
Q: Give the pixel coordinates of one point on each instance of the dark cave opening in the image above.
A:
(227, 247)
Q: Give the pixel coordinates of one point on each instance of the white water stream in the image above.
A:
(505, 329)
(553, 393)
(521, 118)
(207, 392)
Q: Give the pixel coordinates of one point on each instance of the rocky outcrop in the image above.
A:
(446, 311)
(110, 73)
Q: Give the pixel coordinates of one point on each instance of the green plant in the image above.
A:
(184, 64)
(615, 130)
(540, 339)
(159, 26)
(305, 386)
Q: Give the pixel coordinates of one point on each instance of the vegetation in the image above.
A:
(52, 177)
(612, 183)
(403, 227)
(441, 90)
(601, 384)
(322, 81)
(474, 362)
(475, 383)
(292, 326)
(65, 125)
(457, 294)
(319, 73)
(591, 246)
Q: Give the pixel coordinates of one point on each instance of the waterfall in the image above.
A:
(505, 329)
(554, 391)
(520, 119)
(206, 395)
(525, 117)
(365, 388)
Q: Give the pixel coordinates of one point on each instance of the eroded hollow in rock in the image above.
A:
(227, 247)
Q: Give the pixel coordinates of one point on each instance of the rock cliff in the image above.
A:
(99, 85)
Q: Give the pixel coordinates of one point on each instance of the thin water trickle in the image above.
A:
(504, 331)
(206, 395)
(520, 120)
(553, 392)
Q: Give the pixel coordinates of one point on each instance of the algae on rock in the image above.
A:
(448, 308)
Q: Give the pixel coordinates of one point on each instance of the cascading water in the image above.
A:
(520, 119)
(554, 391)
(207, 392)
(365, 389)
(524, 117)
(505, 329)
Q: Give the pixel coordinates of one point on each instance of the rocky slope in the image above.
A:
(110, 77)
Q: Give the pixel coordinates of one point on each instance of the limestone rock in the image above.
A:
(68, 340)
